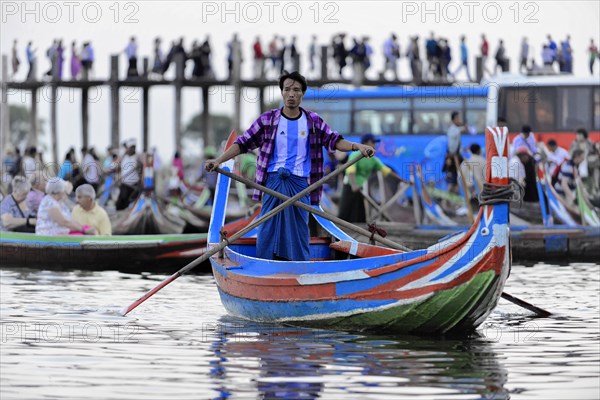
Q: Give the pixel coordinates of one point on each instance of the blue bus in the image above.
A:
(411, 121)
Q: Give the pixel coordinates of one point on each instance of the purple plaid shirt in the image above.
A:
(262, 134)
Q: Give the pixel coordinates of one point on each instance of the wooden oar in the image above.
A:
(539, 311)
(316, 211)
(359, 230)
(466, 190)
(391, 201)
(239, 234)
(376, 206)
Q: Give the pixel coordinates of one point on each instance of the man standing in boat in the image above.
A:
(290, 159)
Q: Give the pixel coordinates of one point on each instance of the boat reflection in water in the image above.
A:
(297, 363)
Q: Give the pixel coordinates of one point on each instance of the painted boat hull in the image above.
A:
(152, 253)
(436, 315)
(126, 253)
(448, 288)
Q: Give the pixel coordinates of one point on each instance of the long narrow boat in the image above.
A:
(146, 216)
(127, 253)
(450, 287)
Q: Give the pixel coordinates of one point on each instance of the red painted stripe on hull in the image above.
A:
(493, 260)
(276, 292)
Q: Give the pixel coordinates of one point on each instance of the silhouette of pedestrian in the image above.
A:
(131, 53)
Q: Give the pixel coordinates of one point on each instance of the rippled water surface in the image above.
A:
(62, 337)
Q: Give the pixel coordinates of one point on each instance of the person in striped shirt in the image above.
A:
(291, 141)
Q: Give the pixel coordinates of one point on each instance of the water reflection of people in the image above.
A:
(299, 363)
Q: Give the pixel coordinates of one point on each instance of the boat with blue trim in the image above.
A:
(127, 253)
(450, 287)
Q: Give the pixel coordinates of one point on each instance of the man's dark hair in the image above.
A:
(552, 143)
(526, 129)
(475, 148)
(583, 131)
(453, 115)
(295, 76)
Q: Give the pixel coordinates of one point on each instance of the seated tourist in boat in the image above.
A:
(554, 156)
(54, 216)
(525, 138)
(37, 192)
(565, 185)
(521, 167)
(88, 212)
(14, 213)
(291, 141)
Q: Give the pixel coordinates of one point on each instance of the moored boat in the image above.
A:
(146, 216)
(450, 287)
(127, 253)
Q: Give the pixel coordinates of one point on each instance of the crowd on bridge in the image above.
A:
(429, 59)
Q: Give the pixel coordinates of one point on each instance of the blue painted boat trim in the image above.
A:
(274, 310)
(259, 267)
(332, 228)
(545, 215)
(217, 218)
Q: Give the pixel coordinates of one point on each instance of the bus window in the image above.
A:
(475, 116)
(336, 112)
(476, 120)
(514, 105)
(544, 109)
(401, 103)
(381, 122)
(438, 103)
(338, 120)
(431, 122)
(574, 108)
(597, 109)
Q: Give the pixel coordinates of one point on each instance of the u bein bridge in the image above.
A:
(144, 82)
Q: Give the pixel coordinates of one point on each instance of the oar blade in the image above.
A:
(539, 311)
(149, 294)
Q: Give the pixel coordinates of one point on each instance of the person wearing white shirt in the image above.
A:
(91, 168)
(525, 138)
(129, 168)
(30, 165)
(555, 157)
